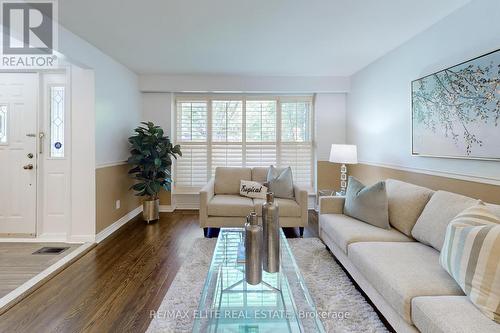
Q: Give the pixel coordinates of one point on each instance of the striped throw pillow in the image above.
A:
(471, 255)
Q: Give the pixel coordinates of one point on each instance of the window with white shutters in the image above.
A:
(261, 134)
(227, 134)
(242, 131)
(192, 134)
(296, 139)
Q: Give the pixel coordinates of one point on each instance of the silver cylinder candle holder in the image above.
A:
(253, 250)
(271, 230)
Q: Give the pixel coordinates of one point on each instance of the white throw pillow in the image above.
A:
(252, 189)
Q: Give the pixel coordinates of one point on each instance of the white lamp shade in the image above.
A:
(345, 154)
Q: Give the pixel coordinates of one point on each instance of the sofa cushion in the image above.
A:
(367, 203)
(227, 179)
(345, 230)
(406, 203)
(443, 206)
(259, 174)
(449, 314)
(471, 253)
(495, 209)
(402, 271)
(230, 205)
(280, 182)
(287, 207)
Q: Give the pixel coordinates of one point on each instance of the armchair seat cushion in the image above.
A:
(230, 205)
(287, 207)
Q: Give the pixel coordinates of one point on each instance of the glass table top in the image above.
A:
(280, 303)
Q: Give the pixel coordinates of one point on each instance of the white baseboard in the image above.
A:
(25, 289)
(105, 233)
(188, 206)
(167, 208)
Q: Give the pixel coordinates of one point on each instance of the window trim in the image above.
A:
(209, 97)
(7, 121)
(49, 120)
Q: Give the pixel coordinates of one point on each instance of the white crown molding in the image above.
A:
(109, 230)
(477, 179)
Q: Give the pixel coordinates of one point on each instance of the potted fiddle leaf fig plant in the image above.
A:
(151, 160)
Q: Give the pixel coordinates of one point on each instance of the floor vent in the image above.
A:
(51, 250)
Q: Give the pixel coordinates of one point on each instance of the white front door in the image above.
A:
(18, 153)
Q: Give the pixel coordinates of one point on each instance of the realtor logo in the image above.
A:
(29, 33)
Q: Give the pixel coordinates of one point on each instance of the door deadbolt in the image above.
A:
(30, 155)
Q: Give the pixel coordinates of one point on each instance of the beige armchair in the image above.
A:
(222, 206)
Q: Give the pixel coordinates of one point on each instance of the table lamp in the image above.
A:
(344, 154)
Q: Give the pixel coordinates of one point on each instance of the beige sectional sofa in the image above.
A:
(403, 276)
(222, 206)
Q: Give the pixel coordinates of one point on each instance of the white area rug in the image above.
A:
(329, 286)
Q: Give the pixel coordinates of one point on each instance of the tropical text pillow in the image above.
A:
(252, 189)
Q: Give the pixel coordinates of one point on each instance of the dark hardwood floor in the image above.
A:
(114, 286)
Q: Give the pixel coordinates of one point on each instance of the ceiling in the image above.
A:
(258, 37)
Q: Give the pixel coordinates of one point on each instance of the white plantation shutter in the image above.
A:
(263, 154)
(227, 121)
(191, 133)
(298, 157)
(243, 131)
(192, 167)
(192, 121)
(261, 121)
(295, 121)
(296, 149)
(226, 155)
(261, 117)
(227, 134)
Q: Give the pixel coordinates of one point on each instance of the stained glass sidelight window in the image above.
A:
(3, 123)
(57, 121)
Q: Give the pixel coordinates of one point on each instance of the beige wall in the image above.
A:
(112, 183)
(328, 175)
(165, 198)
(370, 174)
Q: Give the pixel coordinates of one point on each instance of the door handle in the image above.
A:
(28, 167)
(41, 135)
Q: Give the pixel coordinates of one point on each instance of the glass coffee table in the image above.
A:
(280, 303)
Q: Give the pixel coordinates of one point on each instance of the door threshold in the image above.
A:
(18, 294)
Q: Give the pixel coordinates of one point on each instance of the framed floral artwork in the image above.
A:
(456, 111)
